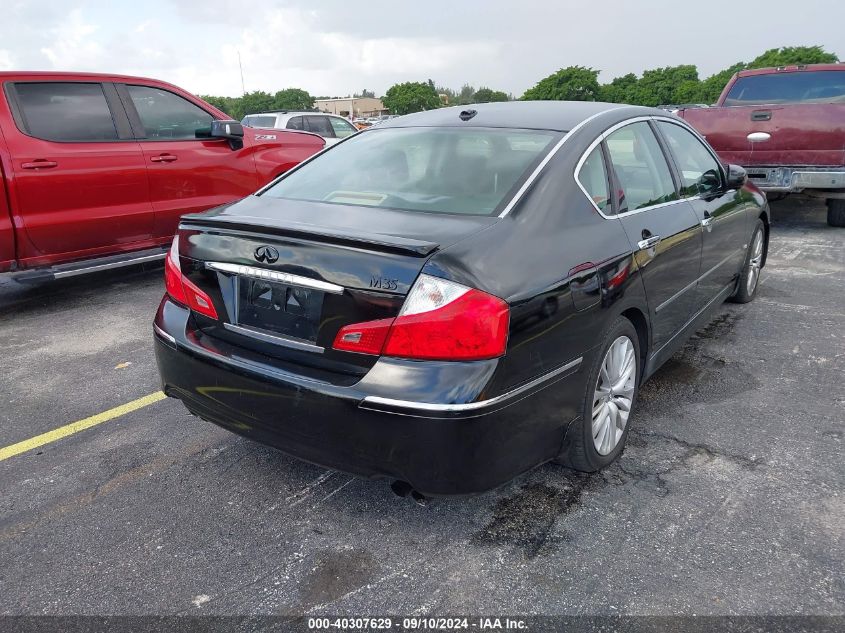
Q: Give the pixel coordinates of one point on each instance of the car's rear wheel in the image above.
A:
(749, 277)
(598, 438)
(836, 212)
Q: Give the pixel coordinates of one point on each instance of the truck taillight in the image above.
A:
(440, 320)
(183, 290)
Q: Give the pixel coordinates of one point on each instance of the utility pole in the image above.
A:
(243, 87)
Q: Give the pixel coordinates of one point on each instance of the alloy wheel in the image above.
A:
(614, 394)
(755, 263)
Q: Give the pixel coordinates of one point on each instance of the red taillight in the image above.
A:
(183, 290)
(365, 338)
(440, 320)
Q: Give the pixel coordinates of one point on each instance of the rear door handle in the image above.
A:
(648, 242)
(163, 158)
(40, 163)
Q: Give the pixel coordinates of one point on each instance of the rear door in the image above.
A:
(188, 172)
(720, 211)
(663, 229)
(80, 184)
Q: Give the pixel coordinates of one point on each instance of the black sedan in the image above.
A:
(454, 297)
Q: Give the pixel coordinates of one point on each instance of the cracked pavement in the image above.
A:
(729, 499)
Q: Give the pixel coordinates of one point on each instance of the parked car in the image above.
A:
(457, 296)
(330, 127)
(786, 126)
(95, 170)
(361, 123)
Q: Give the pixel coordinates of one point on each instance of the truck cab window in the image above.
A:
(66, 111)
(166, 116)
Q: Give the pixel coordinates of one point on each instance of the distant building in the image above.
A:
(356, 106)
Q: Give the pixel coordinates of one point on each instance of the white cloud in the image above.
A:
(6, 61)
(73, 45)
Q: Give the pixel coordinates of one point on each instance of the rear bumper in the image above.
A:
(459, 444)
(795, 179)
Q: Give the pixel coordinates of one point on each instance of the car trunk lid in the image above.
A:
(286, 275)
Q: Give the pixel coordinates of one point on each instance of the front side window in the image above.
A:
(342, 128)
(438, 170)
(700, 172)
(593, 178)
(66, 111)
(166, 116)
(641, 167)
(817, 86)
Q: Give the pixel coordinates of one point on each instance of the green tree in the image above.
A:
(486, 95)
(410, 97)
(229, 105)
(292, 99)
(575, 83)
(620, 90)
(465, 95)
(365, 94)
(791, 55)
(661, 85)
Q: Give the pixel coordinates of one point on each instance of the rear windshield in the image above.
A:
(820, 86)
(438, 170)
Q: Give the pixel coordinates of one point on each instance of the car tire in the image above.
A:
(836, 212)
(588, 450)
(749, 277)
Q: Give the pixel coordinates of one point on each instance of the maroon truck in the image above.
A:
(786, 126)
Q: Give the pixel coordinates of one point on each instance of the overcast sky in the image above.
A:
(334, 47)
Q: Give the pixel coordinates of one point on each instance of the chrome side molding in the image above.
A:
(378, 402)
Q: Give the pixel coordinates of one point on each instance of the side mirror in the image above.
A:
(737, 176)
(230, 130)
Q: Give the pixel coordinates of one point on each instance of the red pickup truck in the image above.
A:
(786, 126)
(95, 170)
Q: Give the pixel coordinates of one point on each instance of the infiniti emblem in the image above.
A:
(266, 254)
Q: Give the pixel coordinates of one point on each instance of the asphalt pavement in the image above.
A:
(729, 499)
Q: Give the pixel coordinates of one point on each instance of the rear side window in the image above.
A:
(700, 172)
(66, 111)
(593, 179)
(641, 167)
(296, 123)
(320, 125)
(166, 116)
(262, 121)
(818, 86)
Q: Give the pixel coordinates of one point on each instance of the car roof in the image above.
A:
(542, 115)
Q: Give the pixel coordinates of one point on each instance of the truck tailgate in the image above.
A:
(799, 135)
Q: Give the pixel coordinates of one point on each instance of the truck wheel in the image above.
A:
(835, 212)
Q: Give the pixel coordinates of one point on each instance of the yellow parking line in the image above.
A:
(80, 425)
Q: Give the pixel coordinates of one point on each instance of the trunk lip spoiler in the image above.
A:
(417, 248)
